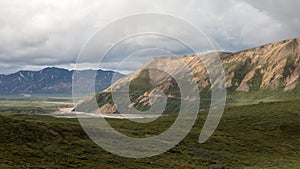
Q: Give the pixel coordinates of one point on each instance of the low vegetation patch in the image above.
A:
(264, 135)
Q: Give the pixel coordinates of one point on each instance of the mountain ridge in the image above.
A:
(50, 80)
(270, 71)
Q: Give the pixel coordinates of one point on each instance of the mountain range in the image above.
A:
(49, 80)
(268, 72)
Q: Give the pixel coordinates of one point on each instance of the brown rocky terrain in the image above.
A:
(271, 70)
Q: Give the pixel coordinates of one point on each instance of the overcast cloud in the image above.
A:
(35, 34)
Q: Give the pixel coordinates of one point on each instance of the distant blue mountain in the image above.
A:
(49, 81)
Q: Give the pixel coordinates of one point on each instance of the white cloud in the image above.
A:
(38, 33)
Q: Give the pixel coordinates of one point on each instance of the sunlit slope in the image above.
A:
(269, 72)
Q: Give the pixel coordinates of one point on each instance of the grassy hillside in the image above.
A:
(265, 135)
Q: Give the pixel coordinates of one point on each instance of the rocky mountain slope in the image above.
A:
(48, 81)
(268, 72)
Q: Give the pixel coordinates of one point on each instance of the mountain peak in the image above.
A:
(54, 68)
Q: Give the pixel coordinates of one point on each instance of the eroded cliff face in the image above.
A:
(270, 66)
(275, 66)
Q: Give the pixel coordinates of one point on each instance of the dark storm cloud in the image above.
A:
(286, 12)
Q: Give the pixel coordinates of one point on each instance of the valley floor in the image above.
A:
(265, 135)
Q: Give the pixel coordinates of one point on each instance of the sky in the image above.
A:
(36, 34)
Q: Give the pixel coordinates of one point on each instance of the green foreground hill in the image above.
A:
(265, 135)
